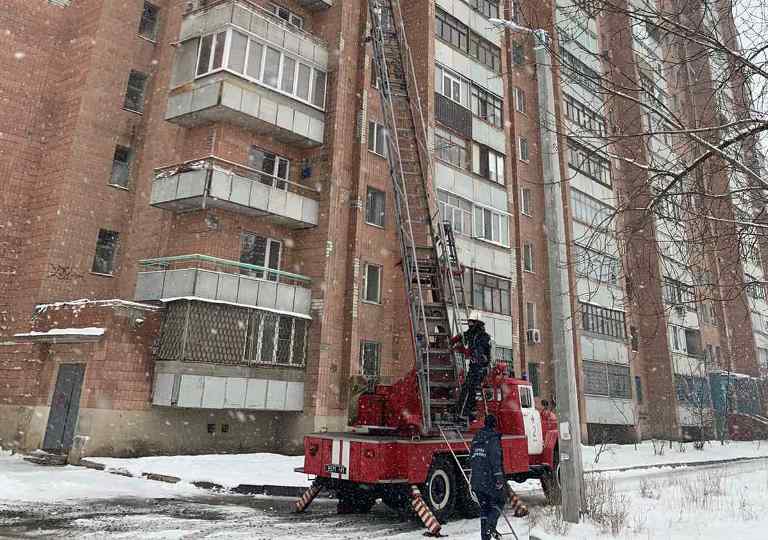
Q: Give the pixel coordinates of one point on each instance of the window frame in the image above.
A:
(269, 243)
(376, 348)
(523, 149)
(484, 285)
(467, 41)
(380, 272)
(275, 10)
(594, 207)
(529, 264)
(145, 80)
(593, 159)
(519, 100)
(602, 321)
(129, 152)
(580, 253)
(379, 132)
(526, 203)
(530, 316)
(156, 24)
(445, 202)
(373, 191)
(111, 263)
(480, 216)
(448, 144)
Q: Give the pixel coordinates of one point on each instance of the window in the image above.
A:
(604, 379)
(377, 138)
(489, 163)
(490, 293)
(276, 339)
(584, 117)
(692, 390)
(262, 64)
(522, 149)
(134, 94)
(450, 148)
(526, 202)
(121, 167)
(370, 359)
(456, 211)
(589, 163)
(453, 86)
(518, 54)
(262, 252)
(762, 358)
(106, 251)
(602, 320)
(533, 377)
(489, 8)
(634, 339)
(374, 207)
(372, 284)
(678, 293)
(491, 226)
(590, 211)
(287, 15)
(487, 106)
(275, 168)
(528, 257)
(596, 265)
(530, 314)
(579, 72)
(519, 100)
(504, 354)
(638, 389)
(526, 400)
(454, 32)
(149, 19)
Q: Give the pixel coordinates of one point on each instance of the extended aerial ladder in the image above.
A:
(433, 274)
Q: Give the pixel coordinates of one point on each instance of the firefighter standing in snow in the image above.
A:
(488, 476)
(477, 343)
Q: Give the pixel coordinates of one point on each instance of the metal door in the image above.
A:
(65, 406)
(532, 421)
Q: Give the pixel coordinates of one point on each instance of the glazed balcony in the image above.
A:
(236, 62)
(216, 183)
(201, 277)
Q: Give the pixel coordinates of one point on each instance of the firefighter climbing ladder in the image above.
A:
(433, 275)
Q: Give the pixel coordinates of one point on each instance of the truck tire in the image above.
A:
(440, 490)
(354, 500)
(550, 483)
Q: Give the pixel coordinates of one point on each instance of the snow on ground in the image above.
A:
(616, 456)
(229, 470)
(21, 481)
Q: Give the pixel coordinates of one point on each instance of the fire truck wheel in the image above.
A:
(354, 501)
(549, 482)
(441, 487)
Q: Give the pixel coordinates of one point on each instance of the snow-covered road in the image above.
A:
(77, 503)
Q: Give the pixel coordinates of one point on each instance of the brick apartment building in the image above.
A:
(197, 243)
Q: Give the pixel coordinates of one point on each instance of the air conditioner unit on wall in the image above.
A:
(534, 336)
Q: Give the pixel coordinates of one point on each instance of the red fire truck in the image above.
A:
(407, 437)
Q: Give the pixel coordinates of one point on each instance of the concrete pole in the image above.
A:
(560, 300)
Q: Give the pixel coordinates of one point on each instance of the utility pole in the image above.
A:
(563, 355)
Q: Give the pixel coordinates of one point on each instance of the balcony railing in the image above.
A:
(218, 183)
(220, 280)
(453, 115)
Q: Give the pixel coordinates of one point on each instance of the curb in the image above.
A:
(675, 465)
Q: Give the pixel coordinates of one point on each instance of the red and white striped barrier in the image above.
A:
(306, 499)
(425, 514)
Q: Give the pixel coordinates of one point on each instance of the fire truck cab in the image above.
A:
(386, 454)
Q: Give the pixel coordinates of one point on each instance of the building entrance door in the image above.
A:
(65, 406)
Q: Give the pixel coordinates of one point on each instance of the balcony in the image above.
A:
(453, 115)
(200, 277)
(237, 62)
(215, 183)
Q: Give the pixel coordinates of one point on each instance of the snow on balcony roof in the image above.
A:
(63, 335)
(101, 303)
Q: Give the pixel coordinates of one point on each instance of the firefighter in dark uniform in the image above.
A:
(488, 481)
(477, 345)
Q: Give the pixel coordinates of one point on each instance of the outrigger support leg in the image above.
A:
(425, 514)
(306, 499)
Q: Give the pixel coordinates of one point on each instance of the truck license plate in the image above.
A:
(335, 469)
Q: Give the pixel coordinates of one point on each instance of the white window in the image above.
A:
(488, 163)
(275, 168)
(452, 85)
(522, 148)
(450, 148)
(528, 257)
(762, 358)
(261, 252)
(526, 203)
(372, 284)
(457, 211)
(677, 339)
(491, 226)
(519, 99)
(530, 314)
(374, 207)
(377, 138)
(287, 15)
(262, 64)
